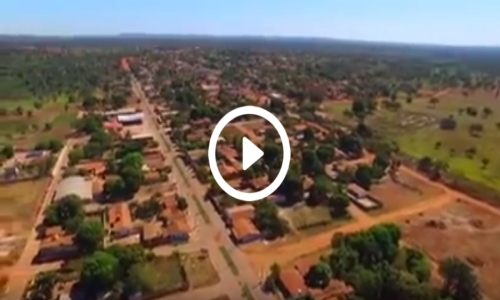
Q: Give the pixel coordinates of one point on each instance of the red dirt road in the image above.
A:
(263, 256)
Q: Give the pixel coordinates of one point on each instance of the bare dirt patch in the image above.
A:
(405, 190)
(199, 269)
(463, 230)
(18, 201)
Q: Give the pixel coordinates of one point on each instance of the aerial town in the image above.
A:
(106, 190)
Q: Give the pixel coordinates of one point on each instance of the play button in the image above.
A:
(251, 153)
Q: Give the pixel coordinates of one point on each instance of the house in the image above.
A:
(56, 248)
(227, 171)
(355, 191)
(177, 227)
(129, 119)
(153, 159)
(92, 167)
(74, 185)
(120, 221)
(143, 137)
(243, 229)
(123, 111)
(52, 232)
(97, 188)
(153, 234)
(292, 284)
(203, 122)
(113, 126)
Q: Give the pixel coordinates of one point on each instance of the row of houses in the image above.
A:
(172, 227)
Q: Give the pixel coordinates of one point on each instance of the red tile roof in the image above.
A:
(293, 282)
(119, 216)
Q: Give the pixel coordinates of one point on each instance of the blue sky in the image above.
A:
(453, 22)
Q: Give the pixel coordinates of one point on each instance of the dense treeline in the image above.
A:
(42, 73)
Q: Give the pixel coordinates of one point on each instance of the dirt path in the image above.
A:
(23, 271)
(263, 258)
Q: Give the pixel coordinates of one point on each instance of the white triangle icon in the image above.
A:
(251, 153)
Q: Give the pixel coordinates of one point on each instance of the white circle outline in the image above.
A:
(212, 160)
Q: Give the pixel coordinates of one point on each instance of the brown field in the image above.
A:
(409, 190)
(463, 230)
(199, 269)
(18, 203)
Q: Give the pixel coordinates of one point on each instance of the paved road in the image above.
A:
(211, 236)
(21, 273)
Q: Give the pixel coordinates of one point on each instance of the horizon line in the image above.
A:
(232, 36)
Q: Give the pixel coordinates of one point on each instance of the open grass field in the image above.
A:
(407, 191)
(30, 128)
(199, 269)
(415, 129)
(468, 232)
(307, 221)
(304, 217)
(164, 273)
(18, 202)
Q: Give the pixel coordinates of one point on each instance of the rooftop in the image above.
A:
(151, 230)
(97, 166)
(74, 185)
(243, 227)
(176, 219)
(154, 159)
(119, 216)
(357, 190)
(135, 117)
(293, 281)
(245, 211)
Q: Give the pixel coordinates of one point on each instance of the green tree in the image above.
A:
(132, 160)
(320, 191)
(128, 256)
(364, 176)
(460, 282)
(114, 188)
(319, 275)
(325, 153)
(7, 151)
(382, 160)
(292, 187)
(99, 271)
(182, 203)
(268, 221)
(90, 236)
(339, 201)
(75, 156)
(272, 153)
(67, 211)
(311, 163)
(42, 287)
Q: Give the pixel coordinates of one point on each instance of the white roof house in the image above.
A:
(74, 185)
(130, 118)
